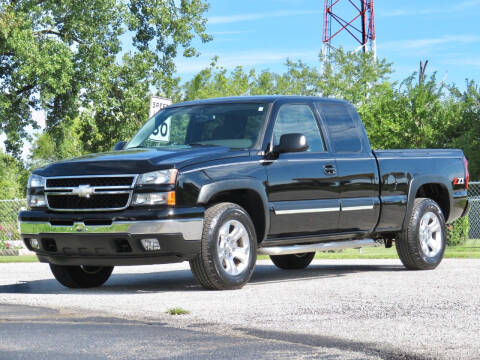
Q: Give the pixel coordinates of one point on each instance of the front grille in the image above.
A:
(94, 202)
(125, 181)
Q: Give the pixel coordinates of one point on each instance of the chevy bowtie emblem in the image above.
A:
(83, 191)
(79, 227)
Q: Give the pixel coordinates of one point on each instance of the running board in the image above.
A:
(297, 249)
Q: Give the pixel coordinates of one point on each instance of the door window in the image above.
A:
(298, 119)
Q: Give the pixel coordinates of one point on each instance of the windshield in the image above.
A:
(233, 125)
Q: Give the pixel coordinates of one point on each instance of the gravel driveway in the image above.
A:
(372, 309)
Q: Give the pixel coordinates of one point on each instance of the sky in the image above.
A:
(262, 34)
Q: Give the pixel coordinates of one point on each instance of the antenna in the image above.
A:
(344, 20)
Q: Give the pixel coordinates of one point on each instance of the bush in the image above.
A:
(3, 238)
(457, 233)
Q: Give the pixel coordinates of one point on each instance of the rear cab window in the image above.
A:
(342, 123)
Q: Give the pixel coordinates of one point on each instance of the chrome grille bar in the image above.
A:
(98, 194)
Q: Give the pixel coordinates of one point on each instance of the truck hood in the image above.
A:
(136, 161)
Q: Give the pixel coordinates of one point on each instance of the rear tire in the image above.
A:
(421, 244)
(293, 261)
(228, 249)
(81, 277)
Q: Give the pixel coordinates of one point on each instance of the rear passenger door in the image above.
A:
(302, 187)
(357, 167)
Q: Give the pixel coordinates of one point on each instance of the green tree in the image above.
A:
(216, 81)
(416, 114)
(466, 132)
(61, 56)
(12, 177)
(350, 76)
(46, 149)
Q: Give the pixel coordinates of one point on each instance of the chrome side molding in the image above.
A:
(297, 249)
(306, 211)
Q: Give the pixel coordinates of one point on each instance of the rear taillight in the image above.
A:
(467, 174)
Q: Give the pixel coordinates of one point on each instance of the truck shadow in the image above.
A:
(183, 280)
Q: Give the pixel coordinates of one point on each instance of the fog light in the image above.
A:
(150, 244)
(35, 244)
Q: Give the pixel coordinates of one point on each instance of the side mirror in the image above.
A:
(119, 146)
(292, 143)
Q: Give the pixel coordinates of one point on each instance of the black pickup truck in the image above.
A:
(218, 181)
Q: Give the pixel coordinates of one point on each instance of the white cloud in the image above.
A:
(228, 19)
(465, 61)
(467, 4)
(422, 44)
(445, 10)
(232, 32)
(400, 12)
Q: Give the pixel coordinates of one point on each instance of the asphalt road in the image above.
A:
(368, 309)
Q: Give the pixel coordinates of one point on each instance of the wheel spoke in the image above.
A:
(241, 254)
(431, 244)
(237, 233)
(222, 259)
(232, 265)
(224, 229)
(435, 226)
(227, 264)
(434, 244)
(436, 230)
(425, 248)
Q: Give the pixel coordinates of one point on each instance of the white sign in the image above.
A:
(157, 103)
(162, 132)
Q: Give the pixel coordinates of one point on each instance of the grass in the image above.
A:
(469, 250)
(177, 311)
(18, 259)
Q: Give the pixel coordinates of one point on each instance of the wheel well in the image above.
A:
(438, 193)
(250, 201)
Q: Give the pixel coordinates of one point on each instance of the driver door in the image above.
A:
(303, 187)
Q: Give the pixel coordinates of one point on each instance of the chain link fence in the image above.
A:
(9, 210)
(8, 219)
(474, 214)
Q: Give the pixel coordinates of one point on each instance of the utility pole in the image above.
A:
(344, 20)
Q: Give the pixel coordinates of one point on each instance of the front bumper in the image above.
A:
(117, 243)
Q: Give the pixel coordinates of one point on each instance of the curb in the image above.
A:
(9, 252)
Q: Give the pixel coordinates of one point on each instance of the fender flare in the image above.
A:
(208, 191)
(419, 181)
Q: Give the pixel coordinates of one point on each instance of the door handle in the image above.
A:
(329, 170)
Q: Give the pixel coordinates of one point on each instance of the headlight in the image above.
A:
(158, 177)
(36, 181)
(159, 198)
(36, 201)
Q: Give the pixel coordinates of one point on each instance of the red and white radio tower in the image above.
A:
(351, 18)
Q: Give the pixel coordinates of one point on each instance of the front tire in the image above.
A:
(422, 243)
(81, 277)
(293, 261)
(228, 249)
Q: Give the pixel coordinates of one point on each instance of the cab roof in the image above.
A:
(255, 99)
